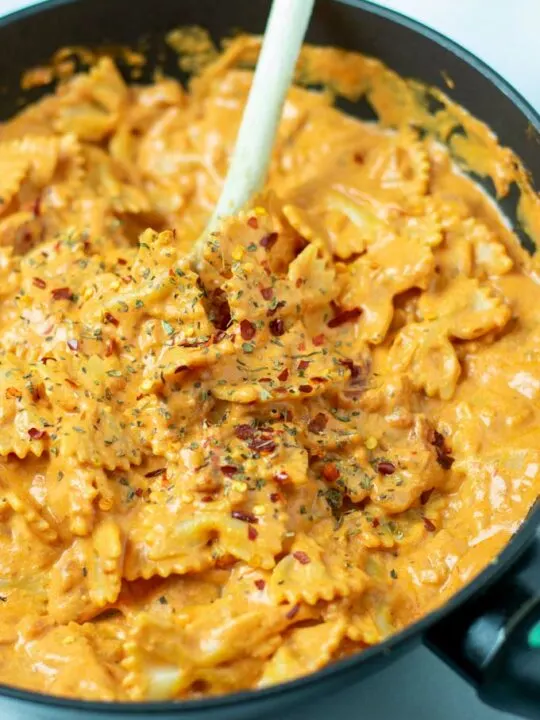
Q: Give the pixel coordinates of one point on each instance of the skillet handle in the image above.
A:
(493, 640)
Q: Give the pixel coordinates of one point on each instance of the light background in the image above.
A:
(504, 33)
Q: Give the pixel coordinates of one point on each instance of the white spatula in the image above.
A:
(283, 37)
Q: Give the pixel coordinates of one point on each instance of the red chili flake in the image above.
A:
(269, 240)
(36, 434)
(13, 394)
(292, 612)
(303, 364)
(267, 293)
(207, 498)
(139, 492)
(229, 470)
(111, 319)
(272, 311)
(355, 370)
(318, 423)
(253, 222)
(281, 476)
(110, 347)
(265, 379)
(266, 267)
(343, 317)
(39, 283)
(220, 312)
(121, 261)
(127, 279)
(260, 584)
(444, 458)
(36, 207)
(46, 358)
(317, 379)
(301, 346)
(283, 375)
(429, 525)
(72, 383)
(180, 368)
(318, 340)
(244, 431)
(302, 557)
(277, 327)
(299, 282)
(247, 330)
(424, 497)
(358, 158)
(375, 522)
(437, 439)
(219, 336)
(155, 473)
(73, 345)
(385, 467)
(275, 497)
(244, 516)
(305, 388)
(330, 472)
(262, 443)
(252, 533)
(63, 293)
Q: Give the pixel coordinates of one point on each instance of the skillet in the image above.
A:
(490, 631)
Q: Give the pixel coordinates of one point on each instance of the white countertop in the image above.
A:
(504, 33)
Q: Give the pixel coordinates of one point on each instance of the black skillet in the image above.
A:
(487, 631)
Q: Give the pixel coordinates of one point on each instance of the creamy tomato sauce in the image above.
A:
(226, 477)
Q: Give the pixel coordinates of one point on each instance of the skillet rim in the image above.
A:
(528, 531)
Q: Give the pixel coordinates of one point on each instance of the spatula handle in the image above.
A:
(285, 31)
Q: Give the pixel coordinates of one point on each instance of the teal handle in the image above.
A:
(533, 638)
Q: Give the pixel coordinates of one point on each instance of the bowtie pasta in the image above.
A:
(224, 479)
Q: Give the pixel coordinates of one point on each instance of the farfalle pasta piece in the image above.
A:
(465, 310)
(41, 161)
(304, 651)
(163, 298)
(173, 361)
(162, 431)
(425, 352)
(312, 273)
(88, 575)
(91, 103)
(110, 180)
(471, 248)
(163, 540)
(68, 664)
(393, 265)
(341, 223)
(400, 165)
(25, 421)
(165, 656)
(290, 366)
(38, 519)
(370, 620)
(314, 571)
(102, 439)
(76, 493)
(13, 168)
